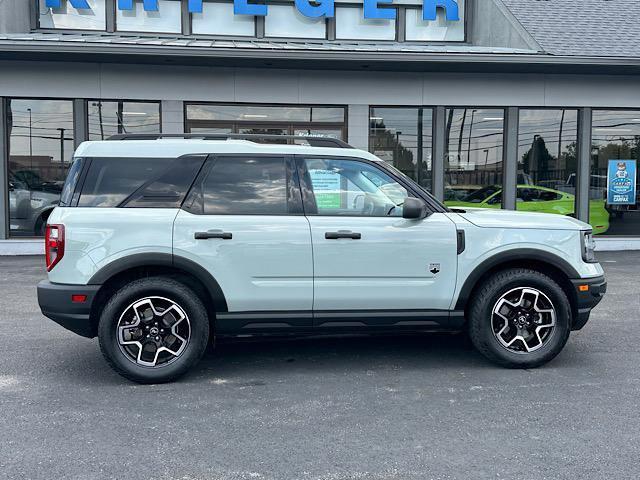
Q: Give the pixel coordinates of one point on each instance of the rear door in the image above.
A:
(243, 221)
(371, 266)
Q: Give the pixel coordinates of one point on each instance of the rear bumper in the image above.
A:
(587, 299)
(55, 303)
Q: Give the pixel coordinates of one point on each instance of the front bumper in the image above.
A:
(55, 300)
(589, 293)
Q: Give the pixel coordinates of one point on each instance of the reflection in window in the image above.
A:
(264, 113)
(615, 153)
(167, 19)
(40, 152)
(351, 25)
(547, 161)
(111, 118)
(69, 17)
(403, 137)
(245, 186)
(473, 157)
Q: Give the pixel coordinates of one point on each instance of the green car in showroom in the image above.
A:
(532, 198)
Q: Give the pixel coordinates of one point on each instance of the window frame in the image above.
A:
(293, 198)
(309, 200)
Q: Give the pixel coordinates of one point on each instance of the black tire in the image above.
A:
(167, 288)
(481, 310)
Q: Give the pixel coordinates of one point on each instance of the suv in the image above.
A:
(158, 245)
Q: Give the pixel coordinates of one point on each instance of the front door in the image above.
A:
(243, 222)
(372, 266)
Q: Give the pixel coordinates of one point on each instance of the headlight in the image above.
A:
(588, 247)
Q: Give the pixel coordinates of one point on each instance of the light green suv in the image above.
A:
(532, 198)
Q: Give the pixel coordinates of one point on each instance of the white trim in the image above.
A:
(35, 246)
(32, 246)
(616, 244)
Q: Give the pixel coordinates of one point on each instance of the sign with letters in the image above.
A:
(621, 182)
(373, 9)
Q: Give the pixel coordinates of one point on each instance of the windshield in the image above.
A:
(481, 195)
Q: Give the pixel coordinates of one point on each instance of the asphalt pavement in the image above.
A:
(419, 407)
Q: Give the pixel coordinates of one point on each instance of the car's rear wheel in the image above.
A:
(153, 330)
(520, 318)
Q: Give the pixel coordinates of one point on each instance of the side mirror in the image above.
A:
(12, 187)
(414, 209)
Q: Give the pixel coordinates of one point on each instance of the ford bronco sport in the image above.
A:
(158, 245)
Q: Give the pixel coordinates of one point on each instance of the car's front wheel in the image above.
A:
(520, 318)
(153, 330)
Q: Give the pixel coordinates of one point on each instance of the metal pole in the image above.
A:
(61, 152)
(30, 142)
(585, 118)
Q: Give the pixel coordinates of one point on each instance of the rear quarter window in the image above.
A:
(139, 182)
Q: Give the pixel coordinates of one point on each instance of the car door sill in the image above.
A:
(230, 323)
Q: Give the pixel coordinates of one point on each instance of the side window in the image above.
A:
(110, 181)
(354, 188)
(244, 186)
(527, 195)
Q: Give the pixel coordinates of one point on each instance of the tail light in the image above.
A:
(53, 245)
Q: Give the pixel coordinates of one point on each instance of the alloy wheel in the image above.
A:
(153, 331)
(523, 320)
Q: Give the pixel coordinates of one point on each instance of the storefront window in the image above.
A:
(287, 21)
(266, 120)
(614, 184)
(40, 136)
(351, 25)
(547, 161)
(403, 137)
(111, 118)
(217, 18)
(473, 157)
(439, 30)
(167, 19)
(69, 17)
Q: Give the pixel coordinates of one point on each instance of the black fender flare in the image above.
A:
(163, 260)
(524, 254)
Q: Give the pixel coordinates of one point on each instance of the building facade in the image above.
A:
(513, 104)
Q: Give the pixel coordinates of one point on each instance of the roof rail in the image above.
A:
(258, 138)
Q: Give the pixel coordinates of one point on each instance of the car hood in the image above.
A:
(490, 218)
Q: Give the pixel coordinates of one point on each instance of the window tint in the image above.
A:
(110, 181)
(71, 182)
(353, 188)
(243, 186)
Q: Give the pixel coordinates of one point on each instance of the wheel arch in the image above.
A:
(552, 265)
(114, 275)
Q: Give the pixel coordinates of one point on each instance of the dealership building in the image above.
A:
(517, 104)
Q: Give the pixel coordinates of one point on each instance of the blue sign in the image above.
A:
(621, 182)
(319, 8)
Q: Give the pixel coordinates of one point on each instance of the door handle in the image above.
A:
(213, 234)
(342, 234)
